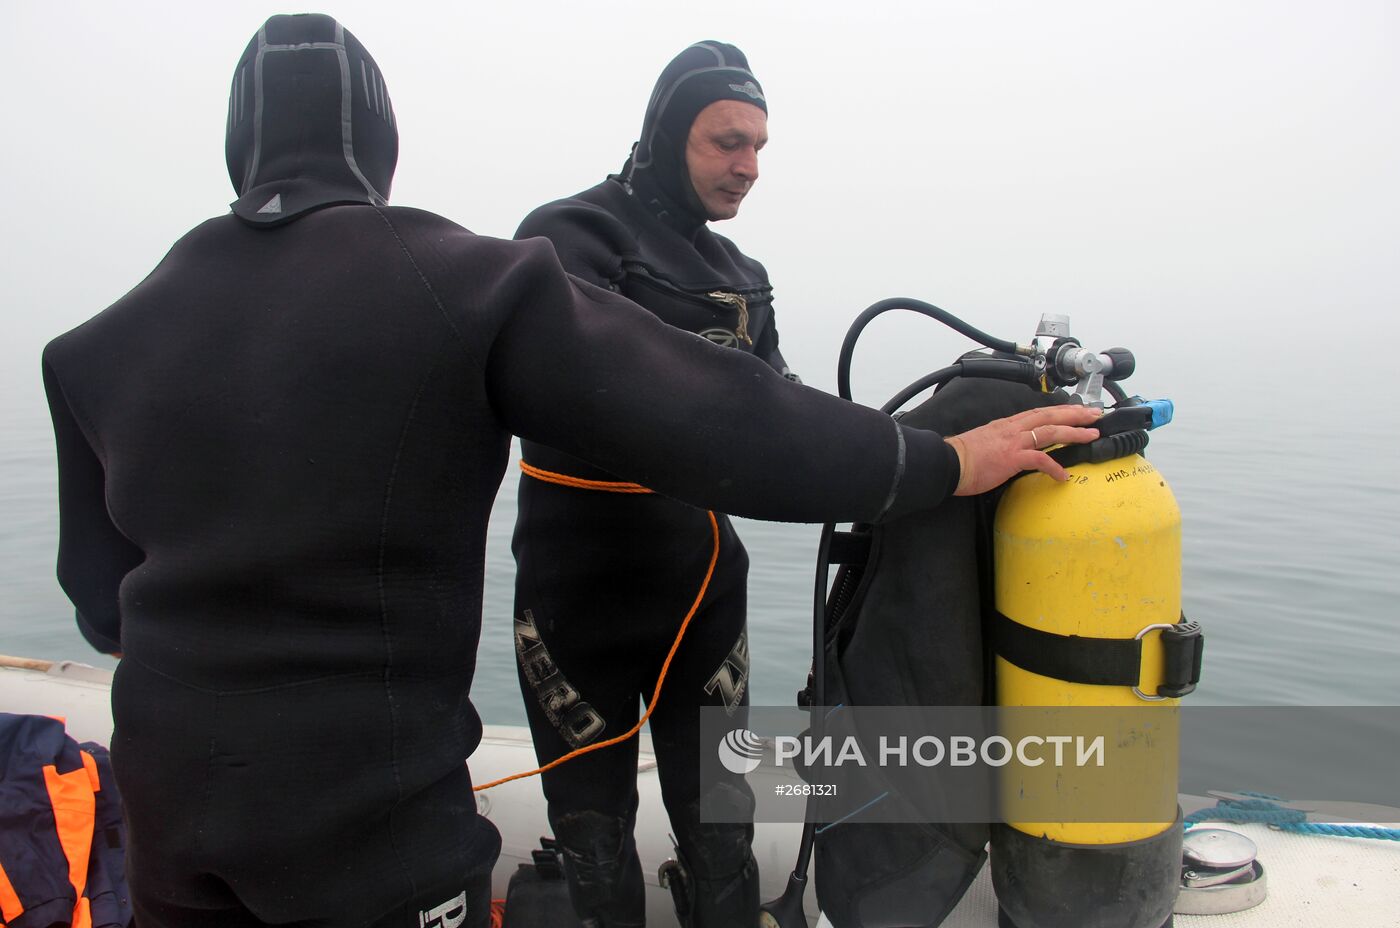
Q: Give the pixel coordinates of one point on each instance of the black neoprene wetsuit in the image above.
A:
(277, 455)
(604, 579)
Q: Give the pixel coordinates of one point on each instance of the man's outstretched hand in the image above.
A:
(993, 453)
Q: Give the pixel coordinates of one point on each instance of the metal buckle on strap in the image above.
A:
(1104, 661)
(1183, 646)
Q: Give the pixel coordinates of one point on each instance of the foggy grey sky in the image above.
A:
(1213, 183)
(1175, 176)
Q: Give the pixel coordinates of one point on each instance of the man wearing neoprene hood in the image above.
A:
(277, 455)
(606, 579)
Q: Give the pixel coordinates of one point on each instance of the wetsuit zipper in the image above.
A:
(711, 300)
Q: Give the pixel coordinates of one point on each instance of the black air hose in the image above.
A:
(848, 345)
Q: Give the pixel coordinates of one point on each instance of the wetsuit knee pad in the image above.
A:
(602, 867)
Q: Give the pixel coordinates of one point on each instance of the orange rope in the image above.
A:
(611, 486)
(564, 480)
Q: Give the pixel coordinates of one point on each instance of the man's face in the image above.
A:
(721, 154)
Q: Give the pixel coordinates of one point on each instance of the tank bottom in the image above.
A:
(1042, 883)
(1004, 920)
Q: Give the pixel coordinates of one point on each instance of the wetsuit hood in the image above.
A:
(656, 171)
(309, 122)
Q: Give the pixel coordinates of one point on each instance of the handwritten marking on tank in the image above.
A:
(1124, 473)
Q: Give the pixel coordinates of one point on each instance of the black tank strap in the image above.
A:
(850, 547)
(1102, 661)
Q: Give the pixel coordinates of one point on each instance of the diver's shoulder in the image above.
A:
(209, 237)
(418, 227)
(412, 217)
(421, 233)
(213, 228)
(463, 269)
(588, 211)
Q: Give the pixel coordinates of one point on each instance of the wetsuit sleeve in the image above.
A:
(93, 556)
(588, 240)
(590, 374)
(767, 349)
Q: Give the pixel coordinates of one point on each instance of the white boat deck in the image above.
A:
(1312, 880)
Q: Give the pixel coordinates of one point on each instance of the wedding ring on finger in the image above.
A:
(1035, 442)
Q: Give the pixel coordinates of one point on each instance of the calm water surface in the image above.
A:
(1292, 559)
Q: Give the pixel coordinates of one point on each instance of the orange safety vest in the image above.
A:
(54, 796)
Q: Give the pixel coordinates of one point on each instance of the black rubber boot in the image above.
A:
(721, 872)
(602, 868)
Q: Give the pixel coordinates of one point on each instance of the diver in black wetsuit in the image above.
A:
(277, 455)
(605, 579)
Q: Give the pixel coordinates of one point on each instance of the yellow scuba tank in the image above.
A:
(1088, 596)
(1088, 614)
